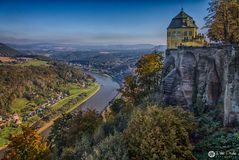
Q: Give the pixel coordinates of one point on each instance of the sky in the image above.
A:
(93, 21)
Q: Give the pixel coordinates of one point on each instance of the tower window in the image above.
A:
(169, 33)
(190, 33)
(185, 33)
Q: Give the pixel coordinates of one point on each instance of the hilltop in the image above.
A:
(6, 51)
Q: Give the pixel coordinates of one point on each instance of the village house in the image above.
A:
(16, 119)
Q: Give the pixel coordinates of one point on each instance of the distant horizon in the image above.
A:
(80, 44)
(108, 22)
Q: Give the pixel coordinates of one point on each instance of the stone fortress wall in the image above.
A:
(206, 74)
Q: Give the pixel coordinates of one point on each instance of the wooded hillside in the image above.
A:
(35, 80)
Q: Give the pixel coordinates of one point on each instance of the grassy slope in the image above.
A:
(18, 104)
(33, 62)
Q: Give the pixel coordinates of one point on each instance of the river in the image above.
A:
(107, 92)
(98, 102)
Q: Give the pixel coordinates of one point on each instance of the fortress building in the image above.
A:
(182, 31)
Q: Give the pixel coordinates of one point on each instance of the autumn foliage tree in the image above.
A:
(159, 133)
(223, 21)
(148, 71)
(146, 79)
(131, 91)
(27, 145)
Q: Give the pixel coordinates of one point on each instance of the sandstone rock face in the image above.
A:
(209, 75)
(231, 95)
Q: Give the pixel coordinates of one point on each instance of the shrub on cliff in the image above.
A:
(74, 136)
(112, 147)
(159, 133)
(220, 142)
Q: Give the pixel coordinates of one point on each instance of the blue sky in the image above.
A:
(93, 21)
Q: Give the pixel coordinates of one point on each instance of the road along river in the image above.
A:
(108, 91)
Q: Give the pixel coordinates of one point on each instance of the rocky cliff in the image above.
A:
(208, 75)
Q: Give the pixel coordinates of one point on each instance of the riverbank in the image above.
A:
(90, 93)
(96, 71)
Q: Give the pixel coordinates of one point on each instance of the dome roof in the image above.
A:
(182, 20)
